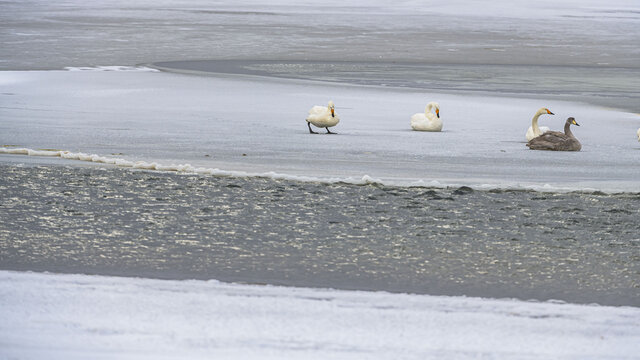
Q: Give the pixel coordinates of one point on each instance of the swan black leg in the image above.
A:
(310, 131)
(329, 132)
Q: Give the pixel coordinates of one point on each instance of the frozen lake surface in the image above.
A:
(255, 125)
(472, 59)
(40, 34)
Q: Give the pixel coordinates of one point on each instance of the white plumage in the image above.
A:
(534, 130)
(530, 134)
(427, 121)
(323, 117)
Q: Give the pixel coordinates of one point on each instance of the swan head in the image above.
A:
(433, 105)
(545, 111)
(332, 107)
(572, 121)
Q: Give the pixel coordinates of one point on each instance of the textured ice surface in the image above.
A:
(78, 317)
(256, 125)
(40, 34)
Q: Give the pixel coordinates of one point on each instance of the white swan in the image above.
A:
(638, 134)
(323, 117)
(427, 121)
(535, 130)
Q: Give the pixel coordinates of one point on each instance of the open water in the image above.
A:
(577, 247)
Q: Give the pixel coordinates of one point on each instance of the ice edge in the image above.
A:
(364, 180)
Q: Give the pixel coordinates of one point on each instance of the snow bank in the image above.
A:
(78, 316)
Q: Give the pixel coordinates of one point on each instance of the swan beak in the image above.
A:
(574, 122)
(549, 112)
(438, 113)
(332, 113)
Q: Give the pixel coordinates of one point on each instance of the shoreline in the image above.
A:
(66, 158)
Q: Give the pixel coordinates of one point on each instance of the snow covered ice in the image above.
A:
(164, 118)
(78, 316)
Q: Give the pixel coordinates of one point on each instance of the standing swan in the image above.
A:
(557, 141)
(427, 121)
(534, 130)
(323, 117)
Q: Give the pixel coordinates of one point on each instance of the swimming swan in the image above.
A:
(323, 117)
(534, 130)
(557, 141)
(638, 134)
(427, 121)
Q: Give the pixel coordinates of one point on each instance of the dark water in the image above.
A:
(607, 86)
(577, 247)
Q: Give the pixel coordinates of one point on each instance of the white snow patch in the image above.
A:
(79, 317)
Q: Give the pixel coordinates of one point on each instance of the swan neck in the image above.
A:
(534, 123)
(429, 108)
(567, 130)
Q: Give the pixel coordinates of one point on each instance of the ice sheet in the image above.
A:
(255, 125)
(78, 316)
(39, 34)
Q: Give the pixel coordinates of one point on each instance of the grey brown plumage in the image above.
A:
(557, 141)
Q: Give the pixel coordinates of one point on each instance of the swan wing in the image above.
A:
(319, 110)
(425, 122)
(324, 121)
(530, 135)
(555, 141)
(320, 116)
(317, 114)
(418, 118)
